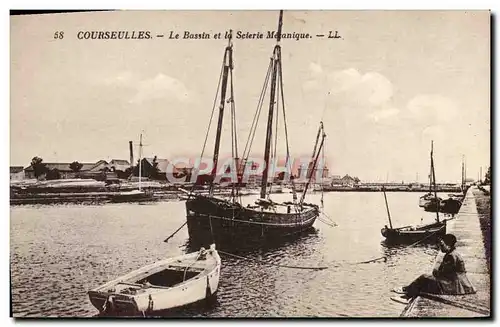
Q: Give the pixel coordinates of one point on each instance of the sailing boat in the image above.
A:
(417, 233)
(450, 206)
(429, 199)
(216, 219)
(136, 195)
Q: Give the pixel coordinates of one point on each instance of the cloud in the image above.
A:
(363, 90)
(433, 108)
(345, 80)
(378, 87)
(159, 87)
(141, 90)
(384, 114)
(315, 69)
(311, 85)
(122, 79)
(352, 93)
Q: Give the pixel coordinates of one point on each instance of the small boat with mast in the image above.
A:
(451, 205)
(430, 199)
(210, 218)
(135, 195)
(413, 233)
(416, 233)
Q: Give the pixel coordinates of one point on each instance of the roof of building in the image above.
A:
(119, 162)
(95, 166)
(64, 166)
(162, 164)
(16, 169)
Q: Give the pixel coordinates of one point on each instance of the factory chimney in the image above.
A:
(131, 150)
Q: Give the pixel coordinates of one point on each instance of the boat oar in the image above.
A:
(178, 229)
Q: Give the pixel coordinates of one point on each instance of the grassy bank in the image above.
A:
(483, 203)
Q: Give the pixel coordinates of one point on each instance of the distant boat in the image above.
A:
(435, 204)
(137, 195)
(166, 284)
(132, 196)
(424, 232)
(429, 199)
(451, 205)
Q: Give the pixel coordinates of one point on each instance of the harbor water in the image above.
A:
(59, 252)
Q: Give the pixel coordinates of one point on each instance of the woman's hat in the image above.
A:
(449, 239)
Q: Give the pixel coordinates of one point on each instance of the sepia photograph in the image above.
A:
(250, 164)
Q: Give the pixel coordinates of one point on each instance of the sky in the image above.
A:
(393, 82)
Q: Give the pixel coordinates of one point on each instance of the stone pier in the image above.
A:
(466, 227)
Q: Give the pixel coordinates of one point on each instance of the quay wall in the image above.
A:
(470, 244)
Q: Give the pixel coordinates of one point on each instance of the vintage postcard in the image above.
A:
(250, 164)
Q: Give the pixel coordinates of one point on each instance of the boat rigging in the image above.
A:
(211, 218)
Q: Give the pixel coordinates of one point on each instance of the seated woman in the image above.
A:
(448, 277)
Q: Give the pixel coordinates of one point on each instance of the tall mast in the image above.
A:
(430, 175)
(387, 207)
(228, 57)
(434, 181)
(463, 172)
(234, 138)
(140, 161)
(315, 160)
(275, 61)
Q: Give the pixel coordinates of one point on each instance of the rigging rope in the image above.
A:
(211, 118)
(406, 247)
(187, 267)
(253, 127)
(301, 267)
(271, 264)
(327, 223)
(274, 160)
(323, 267)
(280, 74)
(178, 229)
(328, 218)
(322, 176)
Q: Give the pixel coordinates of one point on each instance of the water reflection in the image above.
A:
(60, 252)
(235, 246)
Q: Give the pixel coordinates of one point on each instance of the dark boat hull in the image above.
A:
(451, 206)
(428, 200)
(221, 221)
(406, 235)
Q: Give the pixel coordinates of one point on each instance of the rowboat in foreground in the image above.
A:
(166, 284)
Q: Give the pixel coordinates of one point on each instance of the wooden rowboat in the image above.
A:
(166, 284)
